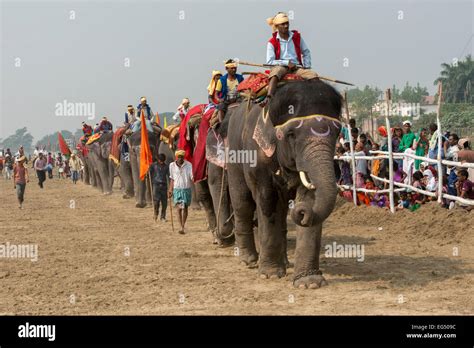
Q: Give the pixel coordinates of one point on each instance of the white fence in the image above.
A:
(390, 155)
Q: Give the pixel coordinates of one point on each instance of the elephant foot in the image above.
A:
(126, 196)
(249, 260)
(140, 205)
(309, 280)
(266, 272)
(225, 243)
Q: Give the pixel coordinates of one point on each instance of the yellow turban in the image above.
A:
(230, 64)
(212, 84)
(143, 99)
(179, 153)
(280, 18)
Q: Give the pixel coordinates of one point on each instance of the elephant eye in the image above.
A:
(290, 134)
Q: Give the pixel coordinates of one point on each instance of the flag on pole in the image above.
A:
(62, 145)
(165, 123)
(157, 119)
(145, 152)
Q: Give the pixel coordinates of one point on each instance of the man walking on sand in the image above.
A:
(40, 167)
(181, 177)
(75, 164)
(20, 178)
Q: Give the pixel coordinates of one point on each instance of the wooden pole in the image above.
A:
(351, 145)
(440, 168)
(388, 99)
(155, 214)
(171, 213)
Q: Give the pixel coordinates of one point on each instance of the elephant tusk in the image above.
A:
(305, 181)
(301, 123)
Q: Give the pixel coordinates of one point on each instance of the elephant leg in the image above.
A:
(204, 197)
(308, 246)
(272, 246)
(194, 201)
(244, 208)
(126, 176)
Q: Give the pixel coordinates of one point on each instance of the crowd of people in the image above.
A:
(420, 174)
(15, 168)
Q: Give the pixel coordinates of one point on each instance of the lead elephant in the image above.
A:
(294, 142)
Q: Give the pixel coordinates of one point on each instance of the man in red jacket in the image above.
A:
(288, 52)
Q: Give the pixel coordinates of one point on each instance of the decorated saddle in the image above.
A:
(256, 84)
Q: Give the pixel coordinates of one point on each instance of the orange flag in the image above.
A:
(145, 152)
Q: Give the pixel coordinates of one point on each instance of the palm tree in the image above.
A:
(457, 80)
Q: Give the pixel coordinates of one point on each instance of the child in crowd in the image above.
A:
(465, 187)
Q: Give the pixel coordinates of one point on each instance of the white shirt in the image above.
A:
(182, 176)
(288, 52)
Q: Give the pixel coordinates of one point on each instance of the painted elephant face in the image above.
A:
(301, 129)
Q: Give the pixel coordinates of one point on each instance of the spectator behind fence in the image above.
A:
(398, 174)
(465, 187)
(466, 155)
(420, 145)
(361, 166)
(429, 181)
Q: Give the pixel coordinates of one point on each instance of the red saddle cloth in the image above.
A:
(198, 156)
(255, 82)
(116, 140)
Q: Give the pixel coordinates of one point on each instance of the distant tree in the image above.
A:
(457, 79)
(21, 137)
(361, 101)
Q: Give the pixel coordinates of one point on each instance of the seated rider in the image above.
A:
(211, 89)
(227, 87)
(86, 129)
(105, 125)
(182, 110)
(130, 116)
(143, 106)
(288, 52)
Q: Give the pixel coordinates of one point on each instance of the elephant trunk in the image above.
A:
(316, 196)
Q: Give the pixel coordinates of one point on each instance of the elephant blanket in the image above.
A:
(199, 158)
(115, 148)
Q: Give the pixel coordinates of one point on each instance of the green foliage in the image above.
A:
(21, 137)
(458, 79)
(50, 141)
(362, 100)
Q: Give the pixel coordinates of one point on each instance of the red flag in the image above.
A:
(145, 152)
(62, 145)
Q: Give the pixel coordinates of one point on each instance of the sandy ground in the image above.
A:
(104, 256)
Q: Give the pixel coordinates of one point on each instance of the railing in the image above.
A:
(402, 186)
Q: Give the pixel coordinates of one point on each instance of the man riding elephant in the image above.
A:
(227, 87)
(288, 52)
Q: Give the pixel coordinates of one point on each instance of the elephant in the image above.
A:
(102, 168)
(142, 188)
(87, 173)
(217, 179)
(293, 139)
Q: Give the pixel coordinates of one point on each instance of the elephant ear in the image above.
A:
(264, 134)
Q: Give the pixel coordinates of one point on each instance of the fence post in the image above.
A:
(388, 98)
(351, 145)
(440, 142)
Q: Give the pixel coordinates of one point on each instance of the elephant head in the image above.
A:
(300, 129)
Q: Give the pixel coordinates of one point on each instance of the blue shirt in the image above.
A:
(288, 52)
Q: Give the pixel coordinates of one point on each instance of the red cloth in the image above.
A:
(62, 145)
(116, 140)
(183, 144)
(199, 160)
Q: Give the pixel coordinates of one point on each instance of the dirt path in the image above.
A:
(83, 267)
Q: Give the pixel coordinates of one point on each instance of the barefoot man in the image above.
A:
(181, 177)
(20, 178)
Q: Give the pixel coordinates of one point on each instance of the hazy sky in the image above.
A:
(171, 57)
